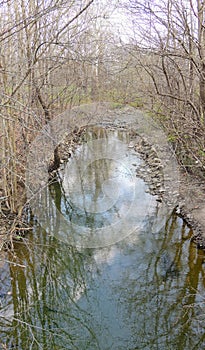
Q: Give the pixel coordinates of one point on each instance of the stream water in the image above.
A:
(144, 289)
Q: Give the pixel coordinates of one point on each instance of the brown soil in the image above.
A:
(192, 205)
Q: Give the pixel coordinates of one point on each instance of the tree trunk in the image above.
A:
(201, 43)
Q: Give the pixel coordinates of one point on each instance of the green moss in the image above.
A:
(201, 153)
(138, 103)
(117, 105)
(172, 138)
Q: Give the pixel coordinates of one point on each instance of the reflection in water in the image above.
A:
(145, 292)
(122, 296)
(101, 199)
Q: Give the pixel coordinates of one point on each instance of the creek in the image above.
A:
(131, 279)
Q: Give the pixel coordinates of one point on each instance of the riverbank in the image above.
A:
(190, 200)
(192, 206)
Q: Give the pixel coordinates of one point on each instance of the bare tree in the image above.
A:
(54, 54)
(168, 45)
(36, 41)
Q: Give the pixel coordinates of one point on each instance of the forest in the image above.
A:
(57, 54)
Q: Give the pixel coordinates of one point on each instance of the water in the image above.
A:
(146, 291)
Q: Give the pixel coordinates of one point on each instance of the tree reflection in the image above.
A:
(164, 304)
(45, 294)
(66, 299)
(146, 292)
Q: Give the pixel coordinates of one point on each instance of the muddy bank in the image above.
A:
(184, 193)
(190, 204)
